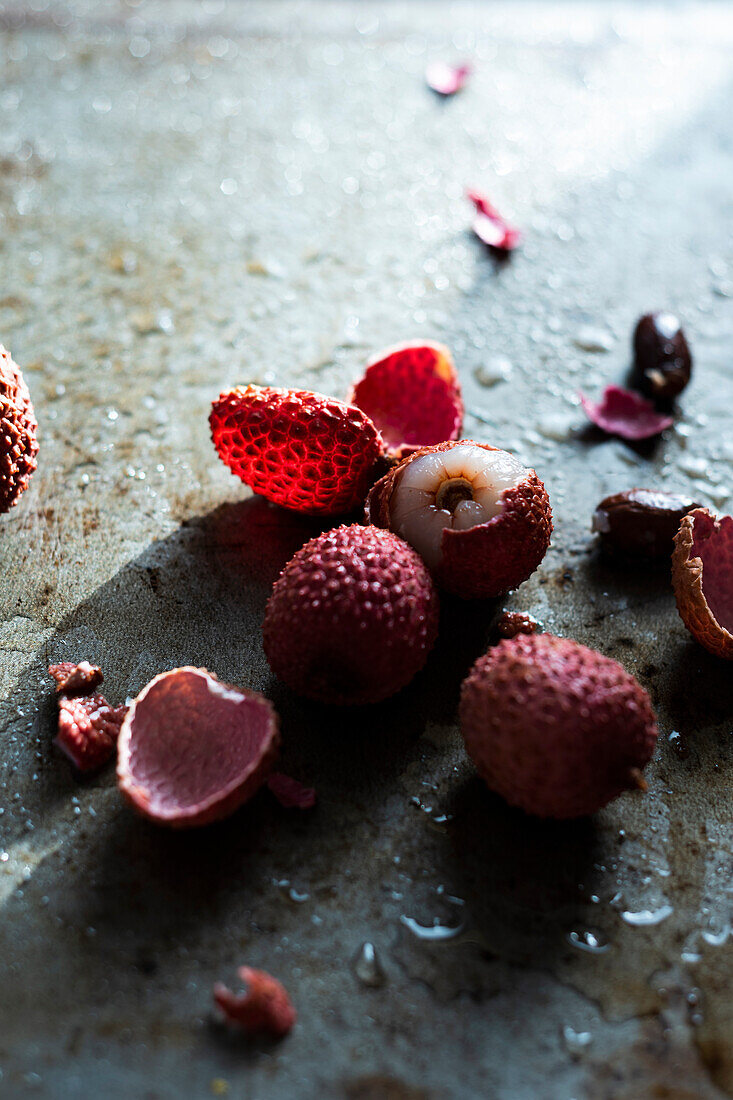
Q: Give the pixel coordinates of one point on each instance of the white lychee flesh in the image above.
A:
(457, 488)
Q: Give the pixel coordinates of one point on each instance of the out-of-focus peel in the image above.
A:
(702, 576)
(265, 1008)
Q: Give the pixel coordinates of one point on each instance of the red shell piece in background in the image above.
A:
(88, 729)
(290, 793)
(264, 1008)
(18, 427)
(702, 576)
(412, 393)
(490, 226)
(299, 449)
(192, 749)
(75, 679)
(446, 79)
(512, 623)
(626, 414)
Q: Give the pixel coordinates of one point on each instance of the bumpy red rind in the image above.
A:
(412, 394)
(75, 679)
(265, 1008)
(302, 450)
(555, 728)
(192, 749)
(702, 576)
(88, 728)
(18, 427)
(352, 617)
(489, 559)
(625, 414)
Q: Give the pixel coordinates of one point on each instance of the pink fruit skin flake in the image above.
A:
(490, 226)
(290, 793)
(88, 729)
(264, 1008)
(446, 79)
(625, 414)
(75, 679)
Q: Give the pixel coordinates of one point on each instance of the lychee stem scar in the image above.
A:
(452, 492)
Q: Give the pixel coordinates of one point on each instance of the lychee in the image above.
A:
(412, 393)
(192, 749)
(299, 449)
(555, 728)
(352, 617)
(702, 576)
(18, 426)
(480, 520)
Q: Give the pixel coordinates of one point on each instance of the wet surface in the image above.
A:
(198, 195)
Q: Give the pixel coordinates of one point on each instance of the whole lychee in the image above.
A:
(352, 617)
(480, 520)
(554, 727)
(18, 443)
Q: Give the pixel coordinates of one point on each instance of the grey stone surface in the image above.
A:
(194, 195)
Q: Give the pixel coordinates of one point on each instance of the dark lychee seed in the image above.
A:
(662, 359)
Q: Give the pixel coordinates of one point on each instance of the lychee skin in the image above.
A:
(352, 617)
(491, 558)
(18, 426)
(299, 449)
(554, 727)
(702, 578)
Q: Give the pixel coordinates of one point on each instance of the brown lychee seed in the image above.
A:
(480, 520)
(702, 576)
(192, 749)
(18, 426)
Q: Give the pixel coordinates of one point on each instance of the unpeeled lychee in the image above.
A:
(18, 426)
(702, 576)
(479, 518)
(352, 617)
(555, 728)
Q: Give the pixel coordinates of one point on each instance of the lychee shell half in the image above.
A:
(702, 576)
(192, 750)
(352, 617)
(491, 558)
(554, 727)
(18, 427)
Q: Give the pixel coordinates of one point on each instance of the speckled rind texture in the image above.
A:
(18, 427)
(702, 576)
(489, 559)
(177, 712)
(412, 393)
(554, 727)
(352, 617)
(302, 450)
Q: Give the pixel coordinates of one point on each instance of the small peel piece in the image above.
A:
(624, 413)
(192, 749)
(702, 578)
(490, 226)
(265, 1008)
(75, 679)
(412, 394)
(291, 794)
(446, 79)
(88, 729)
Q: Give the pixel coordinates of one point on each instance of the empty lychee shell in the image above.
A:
(412, 393)
(192, 749)
(480, 520)
(625, 414)
(702, 575)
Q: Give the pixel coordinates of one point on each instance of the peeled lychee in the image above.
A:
(412, 393)
(480, 520)
(702, 575)
(192, 750)
(18, 426)
(299, 449)
(352, 617)
(555, 728)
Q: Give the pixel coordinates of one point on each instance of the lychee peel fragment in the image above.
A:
(446, 79)
(301, 450)
(625, 414)
(490, 558)
(18, 427)
(352, 617)
(702, 576)
(193, 749)
(555, 728)
(491, 227)
(75, 679)
(265, 1008)
(412, 394)
(291, 794)
(88, 728)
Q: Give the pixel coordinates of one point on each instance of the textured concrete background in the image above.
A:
(194, 195)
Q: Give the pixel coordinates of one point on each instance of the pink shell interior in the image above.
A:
(626, 414)
(193, 740)
(713, 545)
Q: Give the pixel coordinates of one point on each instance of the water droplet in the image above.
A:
(594, 942)
(367, 967)
(593, 339)
(644, 917)
(435, 932)
(494, 371)
(680, 747)
(716, 939)
(576, 1041)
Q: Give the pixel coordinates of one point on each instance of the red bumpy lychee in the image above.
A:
(555, 728)
(480, 519)
(352, 617)
(18, 443)
(299, 449)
